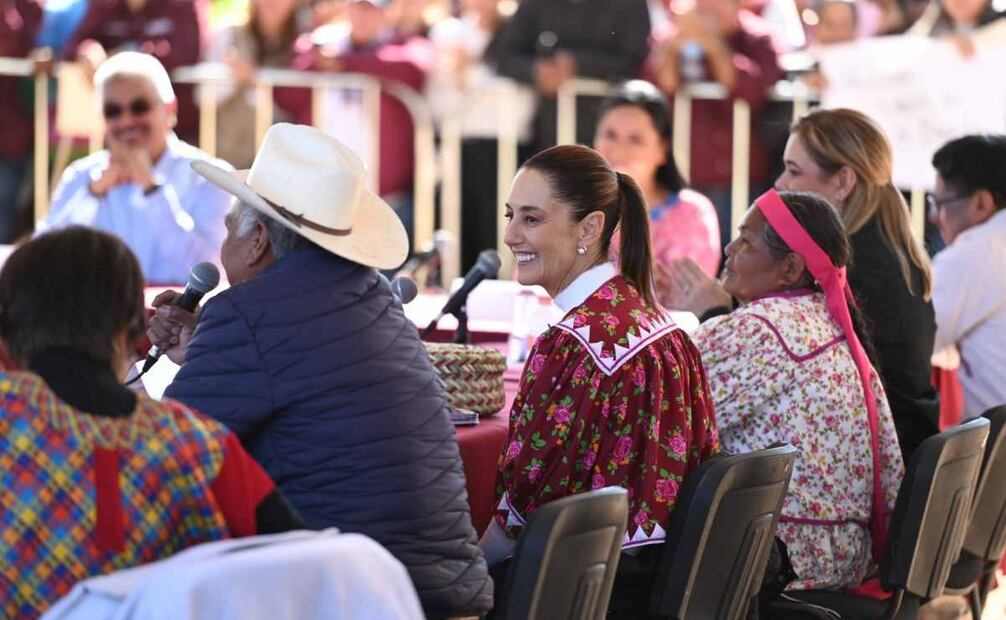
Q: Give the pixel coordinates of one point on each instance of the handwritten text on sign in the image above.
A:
(921, 91)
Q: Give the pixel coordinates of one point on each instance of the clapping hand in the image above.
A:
(125, 165)
(684, 286)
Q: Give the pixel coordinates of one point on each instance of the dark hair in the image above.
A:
(580, 178)
(973, 163)
(649, 99)
(822, 223)
(288, 37)
(75, 288)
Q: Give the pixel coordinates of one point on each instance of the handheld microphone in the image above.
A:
(487, 266)
(203, 278)
(404, 289)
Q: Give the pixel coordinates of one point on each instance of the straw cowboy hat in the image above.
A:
(313, 184)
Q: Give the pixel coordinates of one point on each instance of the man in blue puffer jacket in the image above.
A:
(311, 361)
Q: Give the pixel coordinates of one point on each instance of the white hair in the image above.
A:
(135, 65)
(282, 239)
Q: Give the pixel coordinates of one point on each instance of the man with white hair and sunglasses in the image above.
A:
(141, 187)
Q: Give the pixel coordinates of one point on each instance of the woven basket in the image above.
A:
(471, 376)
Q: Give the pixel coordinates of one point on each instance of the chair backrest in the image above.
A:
(986, 536)
(720, 535)
(565, 561)
(932, 510)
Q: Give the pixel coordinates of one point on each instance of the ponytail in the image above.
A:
(635, 258)
(580, 178)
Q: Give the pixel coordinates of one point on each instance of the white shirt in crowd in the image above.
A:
(475, 94)
(969, 296)
(170, 229)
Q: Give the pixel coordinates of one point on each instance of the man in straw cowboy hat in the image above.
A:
(310, 360)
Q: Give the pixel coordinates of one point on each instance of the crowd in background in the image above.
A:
(449, 51)
(827, 312)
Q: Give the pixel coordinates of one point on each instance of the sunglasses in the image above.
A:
(136, 107)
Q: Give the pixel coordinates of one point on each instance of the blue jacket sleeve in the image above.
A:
(224, 375)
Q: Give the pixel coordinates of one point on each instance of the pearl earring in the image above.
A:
(581, 249)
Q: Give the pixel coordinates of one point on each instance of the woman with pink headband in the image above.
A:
(790, 365)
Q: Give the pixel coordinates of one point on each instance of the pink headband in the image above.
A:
(838, 296)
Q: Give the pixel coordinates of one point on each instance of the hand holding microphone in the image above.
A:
(174, 320)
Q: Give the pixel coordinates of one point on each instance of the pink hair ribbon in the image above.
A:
(838, 296)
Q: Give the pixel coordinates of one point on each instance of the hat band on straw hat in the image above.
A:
(299, 220)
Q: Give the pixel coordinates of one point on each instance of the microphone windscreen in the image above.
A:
(489, 262)
(204, 277)
(404, 289)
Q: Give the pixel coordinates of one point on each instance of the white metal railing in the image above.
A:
(429, 167)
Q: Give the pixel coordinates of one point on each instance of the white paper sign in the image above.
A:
(77, 110)
(921, 91)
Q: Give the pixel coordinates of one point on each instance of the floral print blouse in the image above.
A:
(613, 395)
(780, 371)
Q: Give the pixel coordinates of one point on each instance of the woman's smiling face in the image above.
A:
(541, 233)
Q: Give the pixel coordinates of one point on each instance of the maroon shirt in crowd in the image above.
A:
(19, 23)
(757, 66)
(173, 31)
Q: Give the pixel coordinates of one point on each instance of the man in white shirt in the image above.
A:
(969, 290)
(141, 187)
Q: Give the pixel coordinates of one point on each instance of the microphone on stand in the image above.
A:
(404, 289)
(203, 278)
(487, 266)
(431, 256)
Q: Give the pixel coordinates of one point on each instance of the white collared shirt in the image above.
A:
(969, 297)
(169, 230)
(584, 286)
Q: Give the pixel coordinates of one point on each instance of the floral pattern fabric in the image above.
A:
(614, 395)
(780, 371)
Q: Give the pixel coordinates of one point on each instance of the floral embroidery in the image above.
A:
(780, 371)
(578, 425)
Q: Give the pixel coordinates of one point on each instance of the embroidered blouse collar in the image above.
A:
(584, 286)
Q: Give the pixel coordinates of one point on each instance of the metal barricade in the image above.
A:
(210, 76)
(23, 67)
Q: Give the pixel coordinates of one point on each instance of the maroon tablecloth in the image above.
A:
(480, 447)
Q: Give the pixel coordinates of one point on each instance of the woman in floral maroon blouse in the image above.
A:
(614, 394)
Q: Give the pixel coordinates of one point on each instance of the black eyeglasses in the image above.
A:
(935, 203)
(136, 107)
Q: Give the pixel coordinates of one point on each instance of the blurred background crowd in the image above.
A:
(453, 53)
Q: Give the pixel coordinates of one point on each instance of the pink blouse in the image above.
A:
(683, 226)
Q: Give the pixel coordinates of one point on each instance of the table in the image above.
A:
(480, 447)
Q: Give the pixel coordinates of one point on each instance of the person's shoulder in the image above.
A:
(86, 164)
(191, 153)
(185, 424)
(696, 202)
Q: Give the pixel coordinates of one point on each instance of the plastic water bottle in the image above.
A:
(693, 65)
(525, 305)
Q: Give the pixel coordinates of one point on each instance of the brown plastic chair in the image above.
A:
(927, 528)
(973, 574)
(566, 557)
(720, 535)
